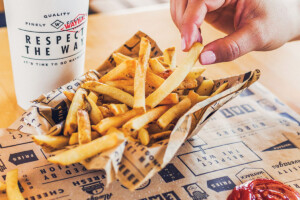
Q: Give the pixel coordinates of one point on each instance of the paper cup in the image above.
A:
(47, 44)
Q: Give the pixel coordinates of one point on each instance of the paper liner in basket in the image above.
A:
(130, 162)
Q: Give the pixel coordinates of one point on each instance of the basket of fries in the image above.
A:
(131, 116)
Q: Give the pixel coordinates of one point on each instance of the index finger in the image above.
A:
(194, 16)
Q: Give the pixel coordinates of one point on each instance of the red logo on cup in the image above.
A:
(75, 24)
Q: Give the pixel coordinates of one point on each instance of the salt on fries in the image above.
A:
(139, 100)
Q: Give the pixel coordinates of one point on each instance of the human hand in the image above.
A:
(251, 25)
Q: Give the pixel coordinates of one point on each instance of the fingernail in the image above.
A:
(183, 45)
(208, 57)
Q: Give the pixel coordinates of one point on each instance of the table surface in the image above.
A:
(280, 68)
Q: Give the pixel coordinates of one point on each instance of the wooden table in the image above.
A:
(280, 68)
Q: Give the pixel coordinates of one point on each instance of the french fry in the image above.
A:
(93, 96)
(119, 133)
(172, 98)
(131, 139)
(205, 88)
(188, 83)
(74, 137)
(153, 80)
(125, 70)
(113, 92)
(105, 99)
(159, 136)
(156, 66)
(71, 120)
(154, 128)
(196, 98)
(140, 74)
(105, 111)
(69, 95)
(118, 109)
(84, 127)
(119, 58)
(95, 114)
(166, 73)
(116, 121)
(2, 187)
(125, 85)
(51, 142)
(118, 83)
(195, 72)
(169, 57)
(174, 112)
(176, 77)
(143, 136)
(220, 89)
(85, 151)
(140, 121)
(12, 187)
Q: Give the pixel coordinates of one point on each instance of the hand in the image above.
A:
(251, 25)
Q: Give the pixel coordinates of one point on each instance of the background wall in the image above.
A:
(1, 6)
(107, 6)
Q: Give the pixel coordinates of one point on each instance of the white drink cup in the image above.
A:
(47, 41)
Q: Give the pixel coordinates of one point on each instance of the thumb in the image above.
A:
(230, 47)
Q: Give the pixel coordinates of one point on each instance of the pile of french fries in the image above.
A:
(140, 100)
(11, 186)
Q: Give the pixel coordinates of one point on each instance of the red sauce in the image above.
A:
(263, 189)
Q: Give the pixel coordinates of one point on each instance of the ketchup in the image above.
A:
(263, 189)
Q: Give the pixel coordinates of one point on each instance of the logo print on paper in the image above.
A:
(220, 184)
(247, 174)
(143, 186)
(170, 173)
(22, 157)
(283, 145)
(93, 188)
(2, 166)
(195, 191)
(57, 24)
(287, 115)
(267, 105)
